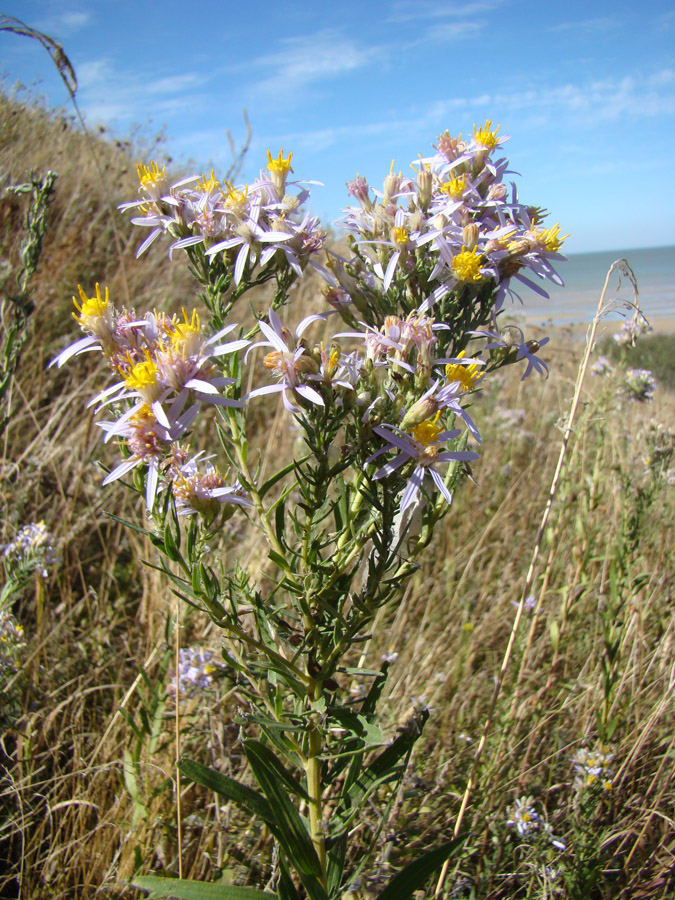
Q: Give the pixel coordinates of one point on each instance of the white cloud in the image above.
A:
(175, 83)
(423, 11)
(307, 59)
(64, 24)
(94, 72)
(588, 26)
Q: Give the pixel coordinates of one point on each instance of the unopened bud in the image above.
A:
(424, 409)
(470, 236)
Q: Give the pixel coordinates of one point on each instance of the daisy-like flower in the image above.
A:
(204, 493)
(196, 669)
(250, 237)
(513, 340)
(423, 447)
(289, 362)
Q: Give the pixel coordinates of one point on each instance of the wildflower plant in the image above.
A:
(382, 409)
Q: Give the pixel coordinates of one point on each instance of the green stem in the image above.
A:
(314, 789)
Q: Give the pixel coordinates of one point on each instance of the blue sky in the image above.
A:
(587, 92)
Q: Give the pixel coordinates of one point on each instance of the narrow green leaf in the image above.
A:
(277, 477)
(290, 828)
(278, 768)
(279, 560)
(414, 876)
(245, 797)
(184, 889)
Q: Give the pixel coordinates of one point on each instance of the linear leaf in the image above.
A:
(244, 796)
(184, 889)
(414, 876)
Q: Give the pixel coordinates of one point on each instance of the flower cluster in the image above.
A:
(454, 225)
(592, 768)
(658, 449)
(11, 643)
(602, 367)
(529, 824)
(251, 225)
(31, 550)
(196, 670)
(435, 258)
(167, 370)
(630, 331)
(638, 385)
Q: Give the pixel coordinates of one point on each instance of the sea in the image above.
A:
(584, 276)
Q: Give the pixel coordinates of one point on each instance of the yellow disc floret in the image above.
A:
(485, 136)
(208, 185)
(150, 176)
(90, 307)
(143, 375)
(466, 265)
(427, 432)
(455, 187)
(468, 376)
(279, 165)
(551, 238)
(185, 336)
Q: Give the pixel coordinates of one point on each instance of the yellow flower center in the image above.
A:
(91, 307)
(399, 235)
(208, 185)
(150, 176)
(485, 136)
(279, 165)
(183, 334)
(427, 432)
(466, 265)
(142, 376)
(468, 376)
(455, 187)
(551, 238)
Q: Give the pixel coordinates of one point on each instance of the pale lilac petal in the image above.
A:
(84, 344)
(440, 484)
(412, 488)
(121, 470)
(149, 240)
(240, 265)
(151, 483)
(309, 394)
(391, 268)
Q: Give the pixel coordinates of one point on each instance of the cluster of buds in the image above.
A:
(658, 448)
(11, 643)
(638, 385)
(630, 331)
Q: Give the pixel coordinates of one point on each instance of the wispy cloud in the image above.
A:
(600, 25)
(307, 59)
(424, 10)
(176, 83)
(66, 23)
(593, 101)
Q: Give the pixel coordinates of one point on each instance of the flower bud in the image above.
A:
(425, 408)
(470, 236)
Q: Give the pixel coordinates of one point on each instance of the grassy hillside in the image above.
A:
(87, 727)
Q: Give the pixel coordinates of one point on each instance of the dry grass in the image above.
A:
(73, 826)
